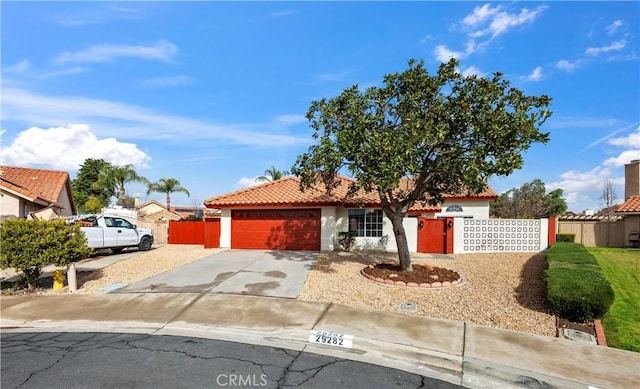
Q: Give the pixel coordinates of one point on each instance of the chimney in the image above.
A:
(632, 179)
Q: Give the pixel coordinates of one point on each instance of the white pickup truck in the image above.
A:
(115, 233)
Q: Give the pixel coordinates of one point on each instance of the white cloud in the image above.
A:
(25, 69)
(472, 71)
(337, 76)
(585, 122)
(94, 14)
(443, 54)
(536, 74)
(567, 66)
(613, 27)
(574, 181)
(623, 158)
(289, 120)
(245, 182)
(499, 22)
(163, 51)
(631, 141)
(66, 148)
(162, 82)
(614, 46)
(425, 39)
(479, 15)
(108, 118)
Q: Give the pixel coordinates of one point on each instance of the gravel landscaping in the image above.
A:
(499, 290)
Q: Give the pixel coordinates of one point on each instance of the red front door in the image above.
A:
(431, 235)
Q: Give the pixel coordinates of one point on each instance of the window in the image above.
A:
(454, 208)
(365, 223)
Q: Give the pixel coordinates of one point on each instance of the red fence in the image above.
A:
(206, 232)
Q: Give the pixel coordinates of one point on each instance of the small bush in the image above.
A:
(29, 245)
(565, 237)
(576, 288)
(347, 239)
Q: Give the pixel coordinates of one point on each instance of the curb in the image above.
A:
(600, 338)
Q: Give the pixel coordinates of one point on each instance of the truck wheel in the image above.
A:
(145, 243)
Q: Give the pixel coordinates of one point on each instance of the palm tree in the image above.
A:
(168, 186)
(272, 174)
(117, 177)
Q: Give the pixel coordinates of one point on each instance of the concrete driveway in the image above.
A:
(247, 272)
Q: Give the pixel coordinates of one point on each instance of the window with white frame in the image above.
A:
(366, 223)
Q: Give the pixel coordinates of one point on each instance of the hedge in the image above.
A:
(576, 288)
(565, 237)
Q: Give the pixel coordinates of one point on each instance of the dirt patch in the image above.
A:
(421, 274)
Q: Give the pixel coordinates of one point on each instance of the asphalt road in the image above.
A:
(108, 360)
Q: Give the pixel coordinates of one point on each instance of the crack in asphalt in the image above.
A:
(286, 369)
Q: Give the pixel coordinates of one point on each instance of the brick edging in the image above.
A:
(600, 338)
(424, 285)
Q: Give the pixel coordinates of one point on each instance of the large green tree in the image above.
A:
(117, 177)
(444, 133)
(530, 201)
(272, 174)
(86, 188)
(167, 186)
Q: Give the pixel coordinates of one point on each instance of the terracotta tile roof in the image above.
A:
(34, 183)
(286, 193)
(632, 205)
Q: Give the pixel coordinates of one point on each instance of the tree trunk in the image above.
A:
(401, 240)
(168, 202)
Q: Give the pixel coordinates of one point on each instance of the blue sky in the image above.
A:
(214, 93)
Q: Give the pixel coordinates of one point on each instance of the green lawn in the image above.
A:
(621, 324)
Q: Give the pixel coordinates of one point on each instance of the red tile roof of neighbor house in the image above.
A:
(286, 193)
(632, 205)
(34, 183)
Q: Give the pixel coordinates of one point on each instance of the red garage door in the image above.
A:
(281, 229)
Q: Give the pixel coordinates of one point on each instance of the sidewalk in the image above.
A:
(465, 354)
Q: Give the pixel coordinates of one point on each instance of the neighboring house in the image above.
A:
(277, 215)
(154, 210)
(630, 209)
(189, 212)
(37, 191)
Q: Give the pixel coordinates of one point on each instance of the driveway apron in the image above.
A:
(246, 272)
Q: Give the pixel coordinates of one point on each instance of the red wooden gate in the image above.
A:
(432, 235)
(186, 232)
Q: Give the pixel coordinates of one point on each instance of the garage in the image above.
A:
(276, 229)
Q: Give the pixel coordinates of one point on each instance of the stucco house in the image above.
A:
(25, 191)
(277, 215)
(154, 210)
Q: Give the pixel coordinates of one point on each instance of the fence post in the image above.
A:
(553, 230)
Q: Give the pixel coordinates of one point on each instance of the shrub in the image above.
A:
(576, 288)
(29, 245)
(346, 239)
(565, 237)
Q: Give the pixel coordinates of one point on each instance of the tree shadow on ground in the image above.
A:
(364, 258)
(531, 293)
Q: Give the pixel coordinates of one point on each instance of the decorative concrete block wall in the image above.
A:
(500, 235)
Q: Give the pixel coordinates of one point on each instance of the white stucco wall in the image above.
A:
(65, 201)
(367, 243)
(9, 204)
(476, 209)
(328, 234)
(225, 229)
